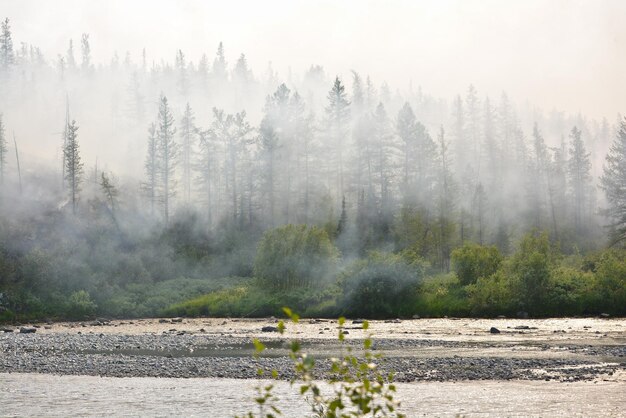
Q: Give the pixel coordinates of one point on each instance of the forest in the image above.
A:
(141, 187)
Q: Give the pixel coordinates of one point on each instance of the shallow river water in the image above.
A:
(27, 395)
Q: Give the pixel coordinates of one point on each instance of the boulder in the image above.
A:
(269, 329)
(28, 330)
(494, 330)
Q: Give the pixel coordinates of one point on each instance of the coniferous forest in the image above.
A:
(198, 185)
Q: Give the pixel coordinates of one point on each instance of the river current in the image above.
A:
(28, 395)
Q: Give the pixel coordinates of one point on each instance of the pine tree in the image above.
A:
(151, 167)
(69, 58)
(613, 182)
(3, 151)
(337, 116)
(167, 155)
(109, 191)
(7, 56)
(181, 68)
(85, 48)
(445, 204)
(579, 168)
(73, 164)
(219, 65)
(188, 132)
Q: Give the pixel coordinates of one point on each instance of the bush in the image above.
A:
(473, 261)
(294, 255)
(570, 292)
(611, 281)
(80, 305)
(491, 295)
(442, 295)
(384, 285)
(530, 267)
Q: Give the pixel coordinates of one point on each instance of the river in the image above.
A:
(27, 395)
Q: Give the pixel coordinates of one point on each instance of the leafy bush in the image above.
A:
(473, 261)
(611, 281)
(491, 295)
(530, 267)
(441, 295)
(384, 285)
(359, 388)
(294, 255)
(80, 305)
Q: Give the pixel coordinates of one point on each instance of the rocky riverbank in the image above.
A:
(417, 350)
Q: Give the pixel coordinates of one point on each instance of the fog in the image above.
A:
(156, 132)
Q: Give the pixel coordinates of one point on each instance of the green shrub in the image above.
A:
(570, 292)
(80, 305)
(491, 295)
(530, 267)
(441, 295)
(294, 255)
(473, 261)
(611, 281)
(384, 285)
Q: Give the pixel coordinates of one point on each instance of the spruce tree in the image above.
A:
(151, 167)
(613, 182)
(579, 168)
(167, 151)
(188, 132)
(3, 150)
(73, 164)
(337, 117)
(7, 57)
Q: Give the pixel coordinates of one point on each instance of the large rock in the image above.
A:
(269, 329)
(494, 330)
(28, 330)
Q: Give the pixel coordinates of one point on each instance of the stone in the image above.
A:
(6, 329)
(605, 315)
(494, 330)
(177, 320)
(28, 330)
(269, 329)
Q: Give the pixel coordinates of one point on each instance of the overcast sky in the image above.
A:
(565, 54)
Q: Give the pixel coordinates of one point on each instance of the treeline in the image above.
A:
(207, 158)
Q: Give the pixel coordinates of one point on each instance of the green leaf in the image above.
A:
(258, 345)
(367, 343)
(366, 325)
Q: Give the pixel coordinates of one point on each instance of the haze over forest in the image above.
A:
(418, 128)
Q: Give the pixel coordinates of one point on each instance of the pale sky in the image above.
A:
(565, 54)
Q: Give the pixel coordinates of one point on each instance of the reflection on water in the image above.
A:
(63, 396)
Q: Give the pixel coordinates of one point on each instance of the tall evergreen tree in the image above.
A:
(73, 164)
(151, 167)
(613, 182)
(3, 150)
(337, 117)
(167, 155)
(219, 65)
(7, 56)
(188, 132)
(579, 168)
(85, 49)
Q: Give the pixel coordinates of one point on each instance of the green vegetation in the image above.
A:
(300, 266)
(358, 387)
